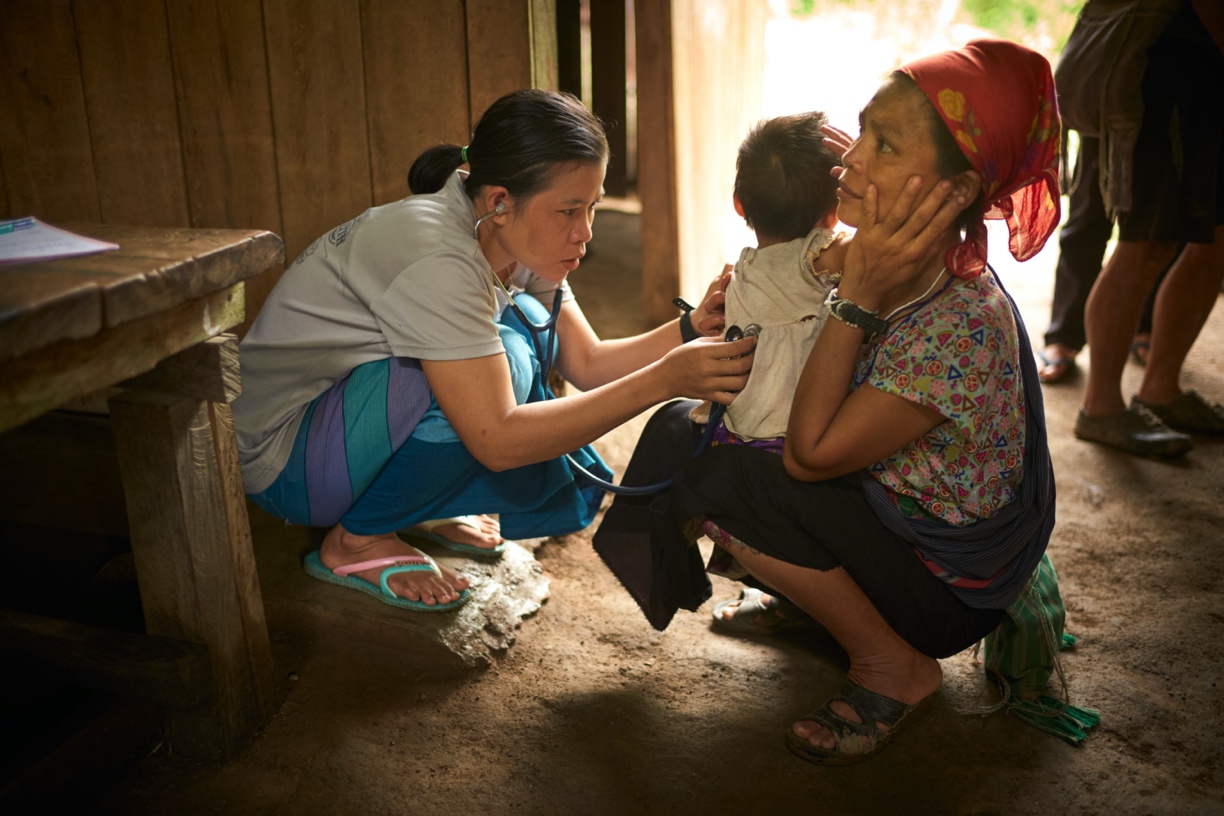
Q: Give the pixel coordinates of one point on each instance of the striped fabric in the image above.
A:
(364, 458)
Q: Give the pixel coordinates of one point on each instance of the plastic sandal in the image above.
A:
(343, 576)
(425, 530)
(856, 741)
(1055, 369)
(752, 617)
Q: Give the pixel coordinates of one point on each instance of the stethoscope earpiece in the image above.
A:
(500, 209)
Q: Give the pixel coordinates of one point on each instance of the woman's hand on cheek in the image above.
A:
(836, 139)
(709, 317)
(888, 251)
(709, 368)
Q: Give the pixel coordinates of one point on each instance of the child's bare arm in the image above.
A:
(832, 257)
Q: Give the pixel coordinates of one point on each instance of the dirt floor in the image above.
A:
(593, 712)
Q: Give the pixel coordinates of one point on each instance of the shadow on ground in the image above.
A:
(591, 711)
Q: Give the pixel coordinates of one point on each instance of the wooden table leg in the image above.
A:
(191, 540)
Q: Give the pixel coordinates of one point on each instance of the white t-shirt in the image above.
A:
(779, 289)
(406, 279)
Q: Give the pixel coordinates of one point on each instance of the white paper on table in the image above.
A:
(25, 240)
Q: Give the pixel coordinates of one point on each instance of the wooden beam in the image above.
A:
(208, 371)
(191, 542)
(543, 30)
(173, 673)
(44, 379)
(657, 160)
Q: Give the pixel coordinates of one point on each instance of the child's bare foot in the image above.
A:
(340, 547)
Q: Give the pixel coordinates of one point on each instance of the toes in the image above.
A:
(816, 735)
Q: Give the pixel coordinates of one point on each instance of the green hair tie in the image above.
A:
(463, 154)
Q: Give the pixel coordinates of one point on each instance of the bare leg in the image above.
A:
(341, 547)
(1182, 307)
(880, 660)
(1113, 313)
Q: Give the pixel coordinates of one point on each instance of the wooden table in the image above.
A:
(151, 318)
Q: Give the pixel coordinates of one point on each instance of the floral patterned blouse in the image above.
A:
(957, 355)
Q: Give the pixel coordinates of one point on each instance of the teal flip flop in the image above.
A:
(396, 564)
(424, 531)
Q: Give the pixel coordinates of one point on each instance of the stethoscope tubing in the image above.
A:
(549, 328)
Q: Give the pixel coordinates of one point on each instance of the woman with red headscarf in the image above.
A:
(914, 497)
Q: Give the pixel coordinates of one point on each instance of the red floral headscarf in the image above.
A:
(997, 98)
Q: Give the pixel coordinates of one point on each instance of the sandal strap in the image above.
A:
(871, 707)
(393, 565)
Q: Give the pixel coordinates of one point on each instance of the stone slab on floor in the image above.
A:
(504, 592)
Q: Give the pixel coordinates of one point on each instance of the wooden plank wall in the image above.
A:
(287, 115)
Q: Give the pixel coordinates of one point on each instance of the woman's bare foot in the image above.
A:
(486, 535)
(907, 678)
(340, 547)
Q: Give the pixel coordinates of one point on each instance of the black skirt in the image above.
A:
(747, 492)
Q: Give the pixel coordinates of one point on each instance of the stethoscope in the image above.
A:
(549, 329)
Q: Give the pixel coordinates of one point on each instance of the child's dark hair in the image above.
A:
(949, 158)
(518, 144)
(782, 176)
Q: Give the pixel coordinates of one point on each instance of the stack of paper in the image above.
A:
(26, 240)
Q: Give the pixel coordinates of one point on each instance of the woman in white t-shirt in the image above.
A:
(390, 382)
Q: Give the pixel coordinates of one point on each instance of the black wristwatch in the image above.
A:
(854, 315)
(687, 332)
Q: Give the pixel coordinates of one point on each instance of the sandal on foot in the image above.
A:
(425, 530)
(754, 617)
(856, 741)
(1055, 369)
(395, 564)
(1140, 351)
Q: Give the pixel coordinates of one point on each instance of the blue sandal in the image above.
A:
(395, 564)
(424, 531)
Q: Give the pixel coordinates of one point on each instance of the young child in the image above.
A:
(786, 193)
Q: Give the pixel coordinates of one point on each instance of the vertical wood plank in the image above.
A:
(189, 554)
(543, 32)
(225, 118)
(657, 160)
(133, 121)
(499, 51)
(319, 115)
(44, 135)
(415, 59)
(608, 97)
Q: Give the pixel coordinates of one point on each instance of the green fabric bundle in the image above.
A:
(1022, 655)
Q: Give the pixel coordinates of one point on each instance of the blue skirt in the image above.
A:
(375, 454)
